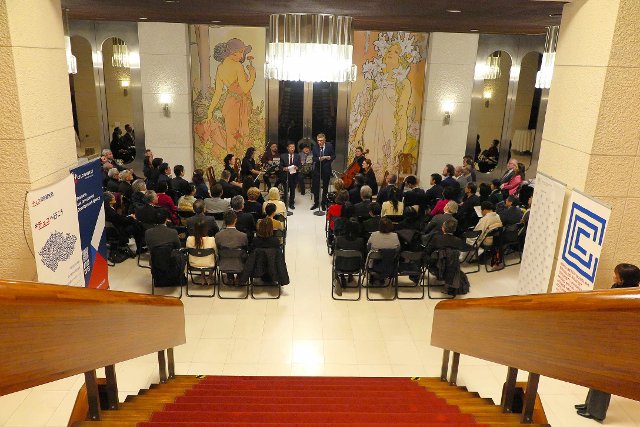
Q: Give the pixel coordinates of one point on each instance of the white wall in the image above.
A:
(164, 68)
(451, 62)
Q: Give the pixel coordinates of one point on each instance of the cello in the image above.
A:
(352, 171)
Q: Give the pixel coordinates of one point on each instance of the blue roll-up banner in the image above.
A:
(89, 200)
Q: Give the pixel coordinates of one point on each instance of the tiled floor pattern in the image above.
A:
(307, 333)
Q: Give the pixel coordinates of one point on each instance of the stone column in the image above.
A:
(164, 68)
(37, 142)
(451, 61)
(591, 138)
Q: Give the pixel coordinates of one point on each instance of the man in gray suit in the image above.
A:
(161, 234)
(435, 225)
(198, 208)
(216, 204)
(229, 236)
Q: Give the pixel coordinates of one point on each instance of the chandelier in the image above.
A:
(72, 64)
(120, 57)
(492, 70)
(310, 48)
(545, 75)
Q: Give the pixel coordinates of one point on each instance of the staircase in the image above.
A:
(309, 401)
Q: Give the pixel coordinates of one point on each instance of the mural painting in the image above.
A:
(387, 99)
(228, 93)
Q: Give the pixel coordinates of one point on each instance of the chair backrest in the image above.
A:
(186, 214)
(167, 265)
(211, 176)
(347, 253)
(174, 194)
(383, 261)
(411, 256)
(202, 252)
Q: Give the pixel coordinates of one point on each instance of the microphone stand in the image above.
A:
(319, 211)
(286, 193)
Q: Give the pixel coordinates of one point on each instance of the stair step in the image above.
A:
(417, 393)
(353, 407)
(330, 400)
(293, 424)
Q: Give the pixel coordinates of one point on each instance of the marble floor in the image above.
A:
(307, 333)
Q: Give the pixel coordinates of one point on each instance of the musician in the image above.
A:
(268, 159)
(248, 165)
(359, 158)
(229, 163)
(291, 158)
(369, 176)
(306, 159)
(323, 156)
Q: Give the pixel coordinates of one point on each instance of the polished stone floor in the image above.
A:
(307, 333)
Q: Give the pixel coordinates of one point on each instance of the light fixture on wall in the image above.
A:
(72, 63)
(487, 95)
(447, 108)
(120, 57)
(545, 75)
(165, 100)
(124, 84)
(310, 48)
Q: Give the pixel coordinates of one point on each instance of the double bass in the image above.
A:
(352, 171)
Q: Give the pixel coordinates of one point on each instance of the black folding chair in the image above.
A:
(167, 266)
(145, 226)
(472, 255)
(383, 264)
(231, 262)
(346, 263)
(511, 243)
(432, 272)
(201, 253)
(329, 236)
(411, 264)
(493, 249)
(266, 284)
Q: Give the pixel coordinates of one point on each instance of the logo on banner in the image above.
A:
(583, 241)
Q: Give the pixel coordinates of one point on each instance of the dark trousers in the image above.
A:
(292, 183)
(315, 186)
(597, 403)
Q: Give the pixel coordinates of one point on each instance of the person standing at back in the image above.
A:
(597, 402)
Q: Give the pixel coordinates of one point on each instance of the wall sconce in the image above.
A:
(447, 107)
(165, 100)
(487, 95)
(124, 84)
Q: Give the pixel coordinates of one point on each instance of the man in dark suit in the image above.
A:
(198, 208)
(230, 237)
(161, 234)
(414, 196)
(447, 239)
(354, 192)
(245, 222)
(228, 190)
(511, 165)
(373, 223)
(323, 156)
(466, 211)
(148, 213)
(383, 194)
(449, 179)
(435, 192)
(511, 214)
(290, 163)
(178, 183)
(362, 209)
(165, 171)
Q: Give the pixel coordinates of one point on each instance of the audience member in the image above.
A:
(274, 197)
(138, 189)
(185, 203)
(270, 211)
(511, 214)
(338, 186)
(459, 176)
(149, 211)
(124, 186)
(511, 164)
(445, 240)
(361, 209)
(198, 209)
(373, 223)
(484, 190)
(414, 196)
(354, 192)
(448, 193)
(393, 206)
(449, 179)
(108, 155)
(160, 234)
(201, 239)
(468, 161)
(228, 189)
(154, 173)
(514, 182)
(435, 192)
(229, 237)
(385, 238)
(466, 211)
(126, 226)
(244, 221)
(216, 204)
(411, 220)
(165, 201)
(164, 175)
(264, 235)
(113, 181)
(178, 183)
(496, 195)
(349, 240)
(202, 191)
(488, 222)
(253, 206)
(335, 210)
(383, 194)
(449, 210)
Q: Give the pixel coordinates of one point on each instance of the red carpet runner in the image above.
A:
(308, 401)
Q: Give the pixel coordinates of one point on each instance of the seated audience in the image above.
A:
(435, 192)
(274, 197)
(434, 226)
(215, 203)
(459, 176)
(165, 201)
(393, 206)
(514, 182)
(185, 203)
(511, 214)
(113, 181)
(361, 209)
(468, 162)
(229, 190)
(349, 240)
(148, 213)
(126, 226)
(448, 193)
(160, 234)
(202, 191)
(410, 220)
(385, 238)
(229, 237)
(488, 222)
(335, 210)
(264, 235)
(270, 211)
(354, 191)
(346, 216)
(153, 172)
(383, 193)
(484, 191)
(201, 239)
(164, 175)
(413, 195)
(178, 183)
(466, 211)
(124, 186)
(247, 183)
(199, 208)
(496, 195)
(338, 186)
(253, 206)
(466, 173)
(488, 159)
(244, 221)
(373, 222)
(445, 239)
(138, 188)
(449, 179)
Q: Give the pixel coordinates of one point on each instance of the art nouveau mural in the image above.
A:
(228, 92)
(386, 106)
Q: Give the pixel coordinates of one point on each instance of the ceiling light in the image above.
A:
(143, 19)
(474, 30)
(172, 1)
(454, 11)
(215, 22)
(555, 15)
(310, 48)
(545, 75)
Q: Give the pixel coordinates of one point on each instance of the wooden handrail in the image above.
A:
(585, 338)
(49, 332)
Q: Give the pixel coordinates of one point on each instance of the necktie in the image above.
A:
(322, 152)
(290, 159)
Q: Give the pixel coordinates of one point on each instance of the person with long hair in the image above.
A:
(264, 235)
(394, 205)
(514, 182)
(229, 163)
(202, 240)
(248, 165)
(202, 191)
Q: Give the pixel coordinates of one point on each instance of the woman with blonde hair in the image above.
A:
(273, 197)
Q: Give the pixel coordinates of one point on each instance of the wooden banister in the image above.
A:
(585, 338)
(51, 332)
